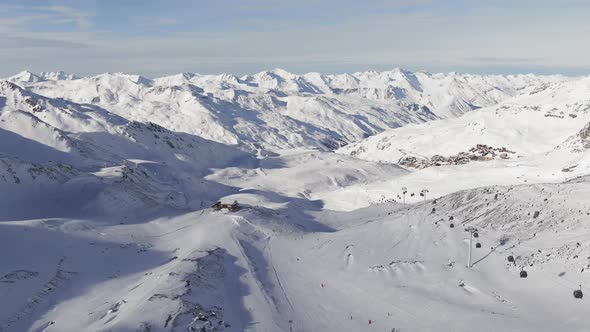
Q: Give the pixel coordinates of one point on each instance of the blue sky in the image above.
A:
(163, 37)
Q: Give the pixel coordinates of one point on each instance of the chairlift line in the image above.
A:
(423, 193)
(471, 230)
(577, 293)
(404, 192)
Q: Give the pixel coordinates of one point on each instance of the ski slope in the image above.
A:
(107, 183)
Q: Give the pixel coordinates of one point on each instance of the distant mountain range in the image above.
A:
(277, 109)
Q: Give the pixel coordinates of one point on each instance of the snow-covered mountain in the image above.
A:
(519, 123)
(107, 184)
(55, 148)
(277, 110)
(26, 76)
(543, 132)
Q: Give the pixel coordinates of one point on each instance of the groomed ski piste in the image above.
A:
(107, 185)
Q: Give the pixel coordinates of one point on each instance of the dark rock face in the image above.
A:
(585, 136)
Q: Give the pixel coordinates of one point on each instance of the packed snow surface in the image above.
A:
(107, 185)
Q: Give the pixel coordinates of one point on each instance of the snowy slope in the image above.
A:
(412, 263)
(544, 129)
(106, 184)
(88, 160)
(296, 267)
(531, 123)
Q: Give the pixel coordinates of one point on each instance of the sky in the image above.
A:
(156, 38)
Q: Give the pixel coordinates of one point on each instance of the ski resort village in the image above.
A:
(407, 166)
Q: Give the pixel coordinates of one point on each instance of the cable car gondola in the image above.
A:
(478, 245)
(511, 259)
(523, 274)
(578, 293)
(475, 235)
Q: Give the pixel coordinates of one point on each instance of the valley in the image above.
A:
(107, 185)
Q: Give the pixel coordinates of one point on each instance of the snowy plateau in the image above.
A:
(110, 221)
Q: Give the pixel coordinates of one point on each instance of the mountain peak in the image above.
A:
(137, 79)
(57, 76)
(25, 76)
(283, 73)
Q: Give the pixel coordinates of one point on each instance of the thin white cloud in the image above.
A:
(493, 34)
(149, 22)
(21, 18)
(65, 14)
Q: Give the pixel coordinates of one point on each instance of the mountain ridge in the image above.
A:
(238, 110)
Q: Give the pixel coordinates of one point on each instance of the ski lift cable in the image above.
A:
(544, 274)
(552, 278)
(565, 283)
(560, 282)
